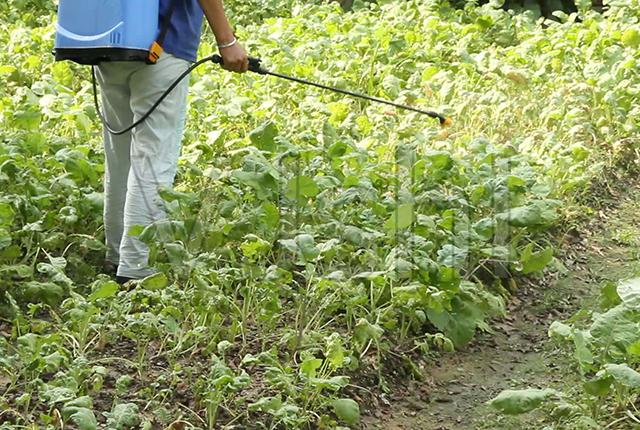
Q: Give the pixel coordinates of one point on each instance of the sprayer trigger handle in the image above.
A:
(254, 64)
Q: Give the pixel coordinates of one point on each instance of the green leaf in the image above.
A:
(440, 160)
(623, 374)
(582, 352)
(264, 136)
(307, 246)
(11, 252)
(223, 346)
(83, 418)
(262, 182)
(104, 290)
(80, 402)
(609, 297)
(123, 383)
(537, 214)
(350, 181)
(18, 271)
(271, 215)
(266, 404)
(254, 247)
(401, 218)
(45, 292)
(5, 238)
(535, 261)
(154, 282)
(62, 73)
(28, 120)
(354, 235)
(213, 173)
(80, 413)
(6, 215)
(347, 410)
(334, 352)
(629, 293)
(303, 246)
(164, 230)
(515, 402)
(334, 383)
(329, 134)
(365, 331)
(93, 244)
(616, 326)
(310, 366)
(55, 395)
(526, 216)
(337, 150)
(559, 330)
(7, 70)
(459, 328)
(631, 38)
(515, 183)
(302, 187)
(135, 230)
(58, 263)
(54, 361)
(169, 194)
(124, 416)
(634, 349)
(598, 387)
(452, 256)
(449, 278)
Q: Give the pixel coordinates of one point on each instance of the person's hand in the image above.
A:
(234, 58)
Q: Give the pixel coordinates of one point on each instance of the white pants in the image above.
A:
(139, 162)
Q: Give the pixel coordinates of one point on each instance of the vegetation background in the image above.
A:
(317, 247)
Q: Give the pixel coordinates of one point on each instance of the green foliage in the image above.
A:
(535, 261)
(514, 402)
(309, 235)
(347, 410)
(123, 416)
(608, 354)
(80, 412)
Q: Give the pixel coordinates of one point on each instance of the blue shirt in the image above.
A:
(183, 37)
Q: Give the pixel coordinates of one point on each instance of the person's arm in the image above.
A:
(234, 57)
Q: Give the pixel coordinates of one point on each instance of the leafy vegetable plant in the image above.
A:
(608, 356)
(313, 241)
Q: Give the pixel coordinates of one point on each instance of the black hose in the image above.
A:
(144, 117)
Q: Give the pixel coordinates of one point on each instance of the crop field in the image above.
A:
(319, 250)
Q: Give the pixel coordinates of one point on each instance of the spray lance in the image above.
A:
(256, 67)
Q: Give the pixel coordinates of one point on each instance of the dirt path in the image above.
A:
(518, 354)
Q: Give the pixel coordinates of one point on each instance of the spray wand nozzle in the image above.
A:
(255, 66)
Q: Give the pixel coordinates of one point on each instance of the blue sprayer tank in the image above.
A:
(92, 31)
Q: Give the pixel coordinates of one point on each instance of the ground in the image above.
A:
(519, 353)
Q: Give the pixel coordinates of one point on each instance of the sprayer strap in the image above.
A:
(156, 49)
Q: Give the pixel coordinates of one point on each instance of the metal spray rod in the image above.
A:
(256, 67)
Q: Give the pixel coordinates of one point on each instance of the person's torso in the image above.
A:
(183, 36)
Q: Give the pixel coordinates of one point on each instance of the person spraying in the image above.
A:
(133, 71)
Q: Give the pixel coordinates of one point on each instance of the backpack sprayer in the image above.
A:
(94, 31)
